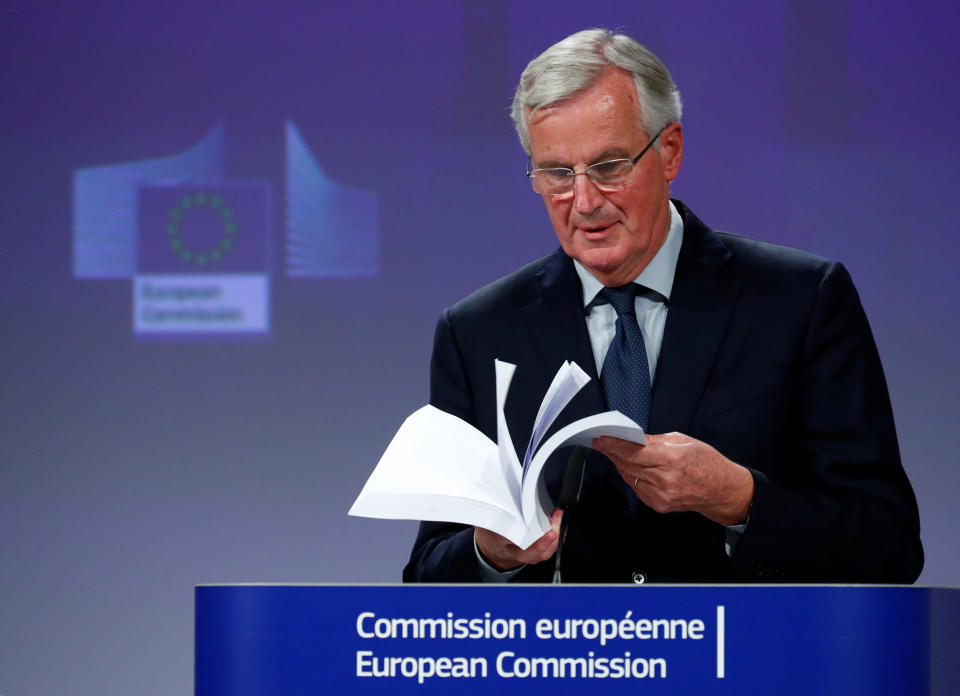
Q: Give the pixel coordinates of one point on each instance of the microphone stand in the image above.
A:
(569, 497)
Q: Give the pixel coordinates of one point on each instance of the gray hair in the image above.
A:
(578, 61)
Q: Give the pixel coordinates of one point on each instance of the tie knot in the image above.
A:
(621, 298)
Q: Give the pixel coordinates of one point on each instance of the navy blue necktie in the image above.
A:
(626, 373)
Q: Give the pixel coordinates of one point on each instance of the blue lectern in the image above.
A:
(390, 639)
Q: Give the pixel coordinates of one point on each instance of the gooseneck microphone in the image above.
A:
(569, 497)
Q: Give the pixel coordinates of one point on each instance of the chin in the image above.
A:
(600, 260)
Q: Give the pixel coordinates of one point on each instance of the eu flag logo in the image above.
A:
(220, 228)
(203, 261)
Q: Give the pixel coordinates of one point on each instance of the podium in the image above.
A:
(254, 640)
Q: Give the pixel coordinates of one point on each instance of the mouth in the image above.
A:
(597, 230)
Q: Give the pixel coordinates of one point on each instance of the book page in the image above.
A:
(438, 467)
(581, 432)
(568, 381)
(438, 463)
(508, 464)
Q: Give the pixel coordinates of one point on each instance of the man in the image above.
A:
(772, 454)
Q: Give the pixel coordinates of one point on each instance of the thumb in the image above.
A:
(555, 519)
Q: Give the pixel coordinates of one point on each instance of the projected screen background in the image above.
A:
(322, 180)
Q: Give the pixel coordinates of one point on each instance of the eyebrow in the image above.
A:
(611, 153)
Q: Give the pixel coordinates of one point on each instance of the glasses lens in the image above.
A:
(558, 181)
(552, 182)
(611, 174)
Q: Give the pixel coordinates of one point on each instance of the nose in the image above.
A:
(586, 196)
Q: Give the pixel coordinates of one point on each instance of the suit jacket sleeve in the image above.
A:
(514, 320)
(443, 551)
(837, 507)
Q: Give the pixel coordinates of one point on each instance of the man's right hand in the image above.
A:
(504, 555)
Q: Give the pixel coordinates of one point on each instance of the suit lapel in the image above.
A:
(701, 304)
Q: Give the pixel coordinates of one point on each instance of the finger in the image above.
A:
(499, 552)
(545, 542)
(615, 447)
(540, 550)
(494, 545)
(543, 548)
(638, 476)
(555, 519)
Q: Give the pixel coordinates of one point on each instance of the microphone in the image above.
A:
(569, 497)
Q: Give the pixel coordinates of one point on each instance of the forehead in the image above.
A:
(603, 119)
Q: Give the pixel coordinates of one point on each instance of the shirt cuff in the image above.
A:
(733, 533)
(488, 572)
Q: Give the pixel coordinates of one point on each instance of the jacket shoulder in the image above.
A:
(514, 290)
(771, 258)
(745, 256)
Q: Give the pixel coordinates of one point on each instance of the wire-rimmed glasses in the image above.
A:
(611, 175)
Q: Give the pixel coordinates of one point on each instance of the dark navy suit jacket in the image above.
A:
(766, 355)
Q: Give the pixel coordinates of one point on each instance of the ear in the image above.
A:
(671, 150)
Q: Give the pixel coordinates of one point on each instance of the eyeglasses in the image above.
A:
(608, 176)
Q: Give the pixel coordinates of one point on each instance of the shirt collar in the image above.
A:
(658, 274)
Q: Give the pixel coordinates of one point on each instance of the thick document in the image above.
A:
(440, 468)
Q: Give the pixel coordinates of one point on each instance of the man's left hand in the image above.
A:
(675, 473)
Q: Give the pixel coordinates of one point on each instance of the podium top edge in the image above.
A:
(426, 586)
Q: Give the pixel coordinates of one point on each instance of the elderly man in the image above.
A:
(772, 454)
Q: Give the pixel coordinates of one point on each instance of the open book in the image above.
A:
(438, 467)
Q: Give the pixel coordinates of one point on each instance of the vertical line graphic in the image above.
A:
(332, 229)
(721, 642)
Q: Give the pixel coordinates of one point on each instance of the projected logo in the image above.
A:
(202, 259)
(198, 246)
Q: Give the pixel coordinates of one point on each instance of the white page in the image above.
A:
(437, 467)
(508, 464)
(568, 381)
(581, 432)
(536, 432)
(438, 461)
(440, 509)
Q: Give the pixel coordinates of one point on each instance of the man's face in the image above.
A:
(614, 235)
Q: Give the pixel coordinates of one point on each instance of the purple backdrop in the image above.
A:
(129, 471)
